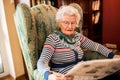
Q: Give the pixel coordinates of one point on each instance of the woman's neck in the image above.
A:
(67, 38)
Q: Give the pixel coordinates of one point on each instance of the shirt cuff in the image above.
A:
(46, 74)
(111, 55)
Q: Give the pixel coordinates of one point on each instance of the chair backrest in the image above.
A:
(33, 25)
(44, 16)
(24, 25)
(78, 7)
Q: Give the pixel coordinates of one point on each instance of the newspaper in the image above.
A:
(94, 69)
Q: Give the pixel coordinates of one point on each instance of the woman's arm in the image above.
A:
(47, 52)
(91, 45)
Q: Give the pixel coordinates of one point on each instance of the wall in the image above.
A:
(16, 64)
(111, 22)
(22, 1)
(4, 41)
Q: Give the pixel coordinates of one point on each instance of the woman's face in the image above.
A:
(68, 25)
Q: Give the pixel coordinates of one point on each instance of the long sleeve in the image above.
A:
(43, 62)
(91, 45)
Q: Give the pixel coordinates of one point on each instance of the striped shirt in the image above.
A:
(57, 51)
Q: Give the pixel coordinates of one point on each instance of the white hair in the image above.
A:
(69, 10)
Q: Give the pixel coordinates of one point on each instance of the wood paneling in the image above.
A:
(111, 22)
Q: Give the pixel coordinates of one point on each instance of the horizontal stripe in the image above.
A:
(83, 40)
(62, 50)
(50, 47)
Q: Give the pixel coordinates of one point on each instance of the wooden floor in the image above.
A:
(10, 78)
(6, 78)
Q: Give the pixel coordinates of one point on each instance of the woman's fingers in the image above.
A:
(69, 77)
(59, 76)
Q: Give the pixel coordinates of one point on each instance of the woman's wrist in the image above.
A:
(111, 55)
(46, 75)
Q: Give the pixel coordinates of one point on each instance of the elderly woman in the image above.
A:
(62, 49)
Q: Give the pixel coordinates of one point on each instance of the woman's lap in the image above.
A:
(115, 76)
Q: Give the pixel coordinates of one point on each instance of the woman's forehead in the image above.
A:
(69, 17)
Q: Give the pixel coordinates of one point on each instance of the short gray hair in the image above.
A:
(67, 10)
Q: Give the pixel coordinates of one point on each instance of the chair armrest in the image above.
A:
(37, 75)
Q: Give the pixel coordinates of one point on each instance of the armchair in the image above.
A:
(33, 25)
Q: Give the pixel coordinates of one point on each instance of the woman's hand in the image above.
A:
(69, 77)
(58, 76)
(116, 56)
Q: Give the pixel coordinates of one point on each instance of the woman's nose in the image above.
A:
(70, 26)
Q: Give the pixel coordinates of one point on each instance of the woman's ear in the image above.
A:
(59, 25)
(77, 26)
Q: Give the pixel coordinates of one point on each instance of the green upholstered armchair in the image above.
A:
(33, 25)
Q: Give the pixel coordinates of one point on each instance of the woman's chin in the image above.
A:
(69, 34)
